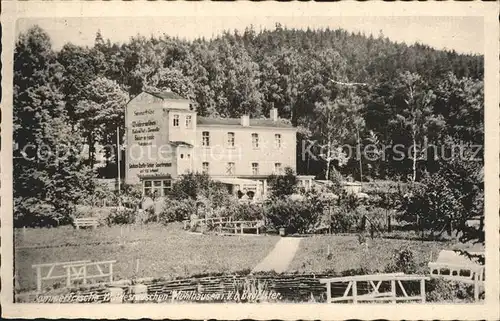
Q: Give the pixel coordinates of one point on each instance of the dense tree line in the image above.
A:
(340, 89)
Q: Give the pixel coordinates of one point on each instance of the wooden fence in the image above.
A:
(370, 288)
(83, 270)
(226, 225)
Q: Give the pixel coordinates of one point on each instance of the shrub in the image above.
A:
(403, 260)
(121, 216)
(442, 290)
(342, 221)
(282, 185)
(178, 210)
(433, 203)
(297, 216)
(32, 212)
(243, 211)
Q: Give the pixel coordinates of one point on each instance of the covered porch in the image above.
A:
(244, 189)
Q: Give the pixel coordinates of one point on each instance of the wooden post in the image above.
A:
(84, 274)
(393, 290)
(24, 232)
(235, 229)
(241, 228)
(422, 289)
(476, 286)
(136, 266)
(354, 292)
(68, 276)
(111, 272)
(39, 279)
(328, 292)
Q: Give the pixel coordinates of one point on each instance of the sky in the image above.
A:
(462, 34)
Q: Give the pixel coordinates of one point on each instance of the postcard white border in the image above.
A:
(11, 10)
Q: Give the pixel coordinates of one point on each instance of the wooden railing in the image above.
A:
(372, 288)
(83, 271)
(226, 225)
(85, 222)
(72, 271)
(48, 271)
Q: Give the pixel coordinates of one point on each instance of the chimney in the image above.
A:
(245, 120)
(273, 114)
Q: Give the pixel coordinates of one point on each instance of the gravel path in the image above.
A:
(281, 256)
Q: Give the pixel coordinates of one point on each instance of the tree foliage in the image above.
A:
(282, 185)
(409, 95)
(49, 170)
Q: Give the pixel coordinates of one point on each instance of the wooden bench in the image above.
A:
(86, 222)
(49, 271)
(239, 227)
(455, 267)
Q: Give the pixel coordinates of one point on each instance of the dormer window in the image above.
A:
(175, 120)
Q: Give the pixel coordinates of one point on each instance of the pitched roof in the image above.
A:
(166, 95)
(237, 122)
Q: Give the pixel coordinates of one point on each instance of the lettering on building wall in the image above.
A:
(146, 168)
(142, 129)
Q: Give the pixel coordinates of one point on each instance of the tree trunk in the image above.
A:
(360, 158)
(414, 160)
(327, 174)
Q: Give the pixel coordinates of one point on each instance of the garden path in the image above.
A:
(281, 256)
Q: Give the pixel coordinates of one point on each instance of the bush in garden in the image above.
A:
(178, 210)
(442, 290)
(342, 222)
(296, 216)
(120, 216)
(248, 212)
(31, 212)
(403, 260)
(432, 203)
(282, 185)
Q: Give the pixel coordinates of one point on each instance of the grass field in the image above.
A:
(162, 250)
(347, 253)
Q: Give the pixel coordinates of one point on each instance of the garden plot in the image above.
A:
(321, 253)
(161, 251)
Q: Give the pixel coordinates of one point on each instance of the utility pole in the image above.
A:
(118, 152)
(352, 84)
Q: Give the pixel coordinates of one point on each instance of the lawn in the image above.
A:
(347, 253)
(162, 250)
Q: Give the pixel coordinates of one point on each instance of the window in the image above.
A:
(156, 187)
(277, 140)
(176, 121)
(205, 138)
(277, 168)
(189, 122)
(182, 156)
(230, 168)
(205, 168)
(255, 168)
(255, 140)
(230, 139)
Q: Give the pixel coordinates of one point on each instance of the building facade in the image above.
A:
(165, 139)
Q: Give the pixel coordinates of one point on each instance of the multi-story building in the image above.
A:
(165, 139)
